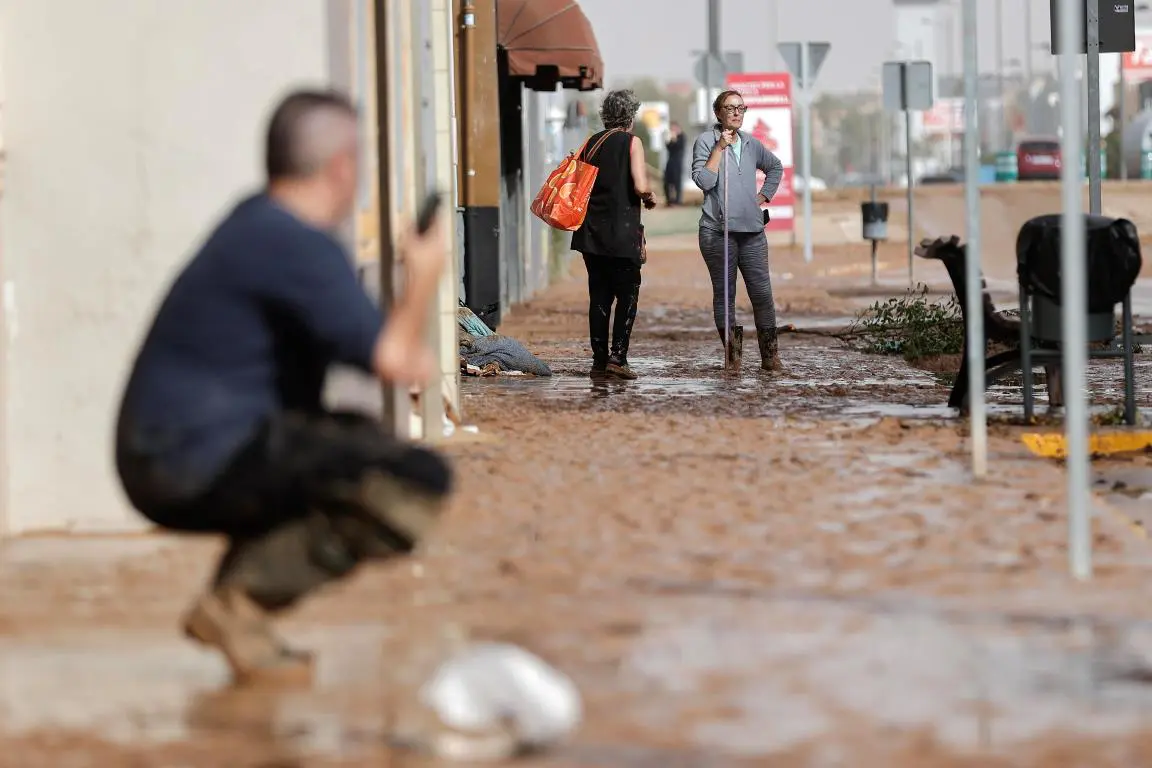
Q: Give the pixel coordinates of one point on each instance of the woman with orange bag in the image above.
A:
(611, 239)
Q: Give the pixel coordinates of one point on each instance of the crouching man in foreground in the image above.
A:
(222, 428)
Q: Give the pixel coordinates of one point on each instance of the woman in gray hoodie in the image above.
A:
(726, 152)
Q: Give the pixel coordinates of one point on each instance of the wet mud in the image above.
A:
(789, 570)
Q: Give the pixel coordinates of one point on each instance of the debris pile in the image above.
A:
(485, 353)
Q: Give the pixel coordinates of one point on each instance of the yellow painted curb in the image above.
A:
(1052, 445)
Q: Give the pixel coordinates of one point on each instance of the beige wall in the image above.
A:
(129, 125)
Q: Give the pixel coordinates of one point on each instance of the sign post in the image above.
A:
(804, 61)
(908, 88)
(974, 309)
(1079, 27)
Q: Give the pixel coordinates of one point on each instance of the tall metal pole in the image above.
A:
(1074, 299)
(1121, 94)
(908, 163)
(713, 43)
(904, 94)
(974, 310)
(806, 135)
(1093, 77)
(1028, 43)
(396, 406)
(1003, 127)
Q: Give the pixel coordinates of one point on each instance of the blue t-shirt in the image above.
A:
(248, 329)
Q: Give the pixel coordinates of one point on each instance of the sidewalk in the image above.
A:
(793, 572)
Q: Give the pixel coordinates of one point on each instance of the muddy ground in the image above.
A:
(736, 571)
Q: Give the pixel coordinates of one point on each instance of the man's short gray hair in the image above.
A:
(619, 109)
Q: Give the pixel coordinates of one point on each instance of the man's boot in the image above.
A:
(734, 349)
(769, 342)
(226, 619)
(263, 574)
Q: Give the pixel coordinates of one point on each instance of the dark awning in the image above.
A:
(549, 42)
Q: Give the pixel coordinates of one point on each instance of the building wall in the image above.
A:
(129, 126)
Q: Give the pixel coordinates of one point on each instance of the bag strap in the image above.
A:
(598, 144)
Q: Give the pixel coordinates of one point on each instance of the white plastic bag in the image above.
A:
(495, 700)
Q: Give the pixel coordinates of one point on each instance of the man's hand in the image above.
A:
(402, 355)
(761, 199)
(648, 200)
(423, 255)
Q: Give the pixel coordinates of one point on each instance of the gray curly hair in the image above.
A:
(619, 109)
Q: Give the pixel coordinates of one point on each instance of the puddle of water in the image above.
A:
(141, 689)
(813, 671)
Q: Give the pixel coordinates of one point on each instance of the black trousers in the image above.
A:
(611, 281)
(307, 499)
(673, 187)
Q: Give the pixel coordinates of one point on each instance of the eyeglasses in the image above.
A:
(738, 109)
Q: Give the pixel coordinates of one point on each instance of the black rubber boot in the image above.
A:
(599, 357)
(769, 342)
(734, 351)
(277, 568)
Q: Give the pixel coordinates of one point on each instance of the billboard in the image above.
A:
(1138, 64)
(768, 97)
(945, 118)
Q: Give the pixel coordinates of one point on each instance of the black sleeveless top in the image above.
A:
(612, 226)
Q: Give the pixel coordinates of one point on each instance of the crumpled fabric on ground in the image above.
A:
(468, 322)
(482, 348)
(507, 353)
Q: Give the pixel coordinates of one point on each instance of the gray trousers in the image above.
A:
(749, 252)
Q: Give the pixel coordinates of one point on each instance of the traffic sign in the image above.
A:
(711, 71)
(907, 86)
(793, 55)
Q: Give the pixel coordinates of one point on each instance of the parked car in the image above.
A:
(1038, 159)
(857, 179)
(818, 184)
(950, 176)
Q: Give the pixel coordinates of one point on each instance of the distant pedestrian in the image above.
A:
(611, 238)
(674, 167)
(726, 155)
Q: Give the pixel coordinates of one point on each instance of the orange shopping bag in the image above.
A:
(562, 202)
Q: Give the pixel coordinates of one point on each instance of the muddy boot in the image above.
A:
(621, 370)
(262, 574)
(276, 569)
(599, 357)
(769, 342)
(734, 350)
(225, 619)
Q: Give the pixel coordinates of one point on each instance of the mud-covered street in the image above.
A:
(792, 571)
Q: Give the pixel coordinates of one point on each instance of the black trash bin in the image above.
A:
(875, 228)
(875, 218)
(1113, 262)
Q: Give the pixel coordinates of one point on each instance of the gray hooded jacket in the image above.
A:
(744, 214)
